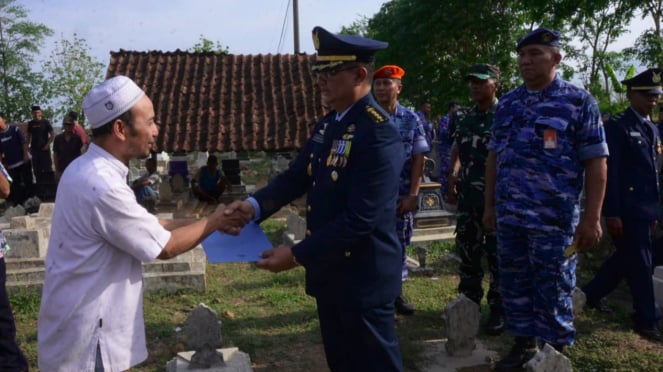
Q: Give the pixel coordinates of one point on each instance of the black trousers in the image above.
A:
(11, 357)
(22, 186)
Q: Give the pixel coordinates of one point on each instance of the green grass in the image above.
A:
(270, 317)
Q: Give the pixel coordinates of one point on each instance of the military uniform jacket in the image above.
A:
(470, 130)
(632, 190)
(541, 140)
(350, 172)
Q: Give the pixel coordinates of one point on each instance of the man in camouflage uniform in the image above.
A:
(471, 131)
(386, 88)
(546, 135)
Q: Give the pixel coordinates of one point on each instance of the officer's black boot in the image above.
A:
(495, 324)
(523, 350)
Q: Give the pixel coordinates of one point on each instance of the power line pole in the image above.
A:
(295, 27)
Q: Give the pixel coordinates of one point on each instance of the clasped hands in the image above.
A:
(237, 214)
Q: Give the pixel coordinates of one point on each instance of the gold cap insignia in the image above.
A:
(656, 78)
(316, 40)
(546, 37)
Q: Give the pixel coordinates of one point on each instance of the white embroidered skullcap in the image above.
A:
(110, 99)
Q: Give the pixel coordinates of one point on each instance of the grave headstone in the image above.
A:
(579, 300)
(14, 211)
(549, 360)
(461, 323)
(203, 334)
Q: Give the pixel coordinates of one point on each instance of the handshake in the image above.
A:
(230, 219)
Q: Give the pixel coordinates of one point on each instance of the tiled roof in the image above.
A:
(209, 102)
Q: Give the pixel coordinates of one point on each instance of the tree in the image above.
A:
(70, 72)
(597, 27)
(437, 43)
(648, 48)
(208, 46)
(20, 41)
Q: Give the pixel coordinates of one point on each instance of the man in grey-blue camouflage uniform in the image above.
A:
(547, 134)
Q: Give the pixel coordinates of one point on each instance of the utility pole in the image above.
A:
(295, 27)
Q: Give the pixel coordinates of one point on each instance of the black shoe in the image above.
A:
(495, 324)
(403, 307)
(650, 333)
(599, 306)
(522, 351)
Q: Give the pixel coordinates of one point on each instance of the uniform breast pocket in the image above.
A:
(637, 142)
(551, 135)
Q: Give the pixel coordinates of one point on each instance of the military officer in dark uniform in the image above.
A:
(349, 170)
(631, 206)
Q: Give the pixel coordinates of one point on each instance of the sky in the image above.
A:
(244, 26)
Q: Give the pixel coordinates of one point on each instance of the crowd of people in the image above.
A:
(37, 158)
(516, 169)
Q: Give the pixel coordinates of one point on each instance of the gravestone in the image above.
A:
(15, 211)
(461, 323)
(202, 333)
(296, 229)
(549, 360)
(430, 211)
(165, 192)
(579, 300)
(280, 164)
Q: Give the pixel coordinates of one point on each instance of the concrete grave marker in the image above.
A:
(461, 323)
(549, 360)
(203, 334)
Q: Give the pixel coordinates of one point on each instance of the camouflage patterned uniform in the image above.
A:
(471, 133)
(537, 202)
(444, 151)
(414, 142)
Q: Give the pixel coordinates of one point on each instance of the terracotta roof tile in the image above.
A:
(209, 102)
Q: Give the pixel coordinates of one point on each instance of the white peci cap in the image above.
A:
(110, 99)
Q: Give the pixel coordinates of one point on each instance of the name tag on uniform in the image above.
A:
(635, 134)
(549, 139)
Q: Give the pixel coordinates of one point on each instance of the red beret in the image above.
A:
(389, 72)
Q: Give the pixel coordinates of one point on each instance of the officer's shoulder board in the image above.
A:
(375, 115)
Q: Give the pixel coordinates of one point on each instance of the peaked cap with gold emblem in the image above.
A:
(540, 36)
(334, 49)
(650, 81)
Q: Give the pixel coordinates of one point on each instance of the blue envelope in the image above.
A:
(245, 247)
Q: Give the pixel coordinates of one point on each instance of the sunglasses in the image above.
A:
(332, 71)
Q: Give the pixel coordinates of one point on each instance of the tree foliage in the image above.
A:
(437, 42)
(20, 42)
(70, 73)
(208, 46)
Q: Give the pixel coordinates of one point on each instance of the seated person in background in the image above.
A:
(209, 183)
(146, 187)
